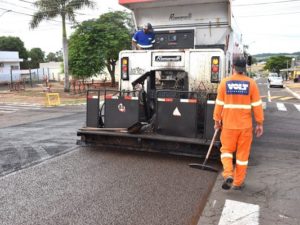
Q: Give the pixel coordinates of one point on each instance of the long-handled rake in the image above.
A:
(203, 166)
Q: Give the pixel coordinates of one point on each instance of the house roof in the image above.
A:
(11, 60)
(10, 56)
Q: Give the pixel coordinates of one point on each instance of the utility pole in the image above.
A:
(11, 76)
(30, 77)
(287, 70)
(29, 67)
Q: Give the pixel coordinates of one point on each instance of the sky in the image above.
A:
(268, 26)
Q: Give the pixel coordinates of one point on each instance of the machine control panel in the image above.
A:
(174, 39)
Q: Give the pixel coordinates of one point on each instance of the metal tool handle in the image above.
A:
(210, 147)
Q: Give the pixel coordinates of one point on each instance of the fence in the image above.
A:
(80, 86)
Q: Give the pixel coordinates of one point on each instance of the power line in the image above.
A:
(51, 4)
(237, 24)
(17, 12)
(275, 14)
(27, 14)
(10, 3)
(267, 3)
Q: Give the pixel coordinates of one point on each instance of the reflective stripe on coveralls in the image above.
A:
(242, 163)
(218, 102)
(238, 106)
(226, 155)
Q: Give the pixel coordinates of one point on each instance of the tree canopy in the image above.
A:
(96, 44)
(276, 63)
(85, 56)
(37, 56)
(49, 9)
(54, 57)
(9, 43)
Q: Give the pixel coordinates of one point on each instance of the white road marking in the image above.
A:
(237, 213)
(269, 96)
(281, 107)
(11, 108)
(7, 111)
(293, 93)
(21, 106)
(297, 107)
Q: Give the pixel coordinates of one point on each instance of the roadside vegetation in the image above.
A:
(95, 45)
(276, 63)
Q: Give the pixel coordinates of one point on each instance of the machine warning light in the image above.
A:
(215, 69)
(125, 68)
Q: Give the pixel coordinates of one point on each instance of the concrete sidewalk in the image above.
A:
(271, 195)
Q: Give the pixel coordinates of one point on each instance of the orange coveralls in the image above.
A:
(237, 96)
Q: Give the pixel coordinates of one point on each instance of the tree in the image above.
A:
(85, 53)
(276, 63)
(100, 39)
(118, 26)
(48, 9)
(14, 44)
(51, 57)
(59, 56)
(54, 57)
(37, 56)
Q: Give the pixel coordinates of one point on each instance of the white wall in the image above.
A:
(53, 70)
(9, 60)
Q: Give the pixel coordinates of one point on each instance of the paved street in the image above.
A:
(47, 179)
(27, 144)
(11, 108)
(57, 182)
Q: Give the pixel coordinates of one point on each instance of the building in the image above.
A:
(9, 66)
(293, 72)
(53, 70)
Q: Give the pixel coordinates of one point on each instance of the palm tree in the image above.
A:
(49, 9)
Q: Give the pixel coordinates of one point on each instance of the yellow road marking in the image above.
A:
(273, 97)
(286, 98)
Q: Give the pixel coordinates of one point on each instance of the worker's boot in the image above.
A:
(227, 183)
(238, 188)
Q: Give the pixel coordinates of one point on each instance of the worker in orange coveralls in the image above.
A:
(237, 96)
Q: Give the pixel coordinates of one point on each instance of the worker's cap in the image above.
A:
(239, 61)
(148, 26)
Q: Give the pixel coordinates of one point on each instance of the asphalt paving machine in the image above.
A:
(166, 95)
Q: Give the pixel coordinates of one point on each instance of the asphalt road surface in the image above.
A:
(46, 179)
(32, 135)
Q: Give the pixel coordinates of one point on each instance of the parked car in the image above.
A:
(271, 75)
(276, 81)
